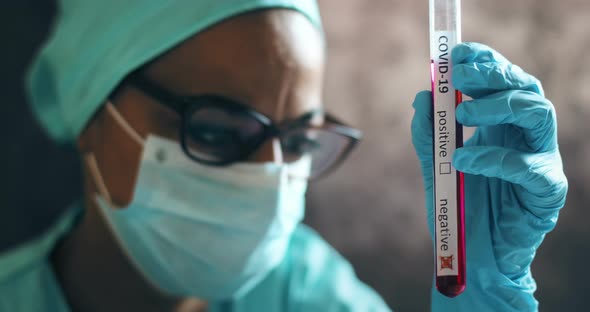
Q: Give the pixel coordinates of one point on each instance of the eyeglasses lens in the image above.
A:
(324, 147)
(218, 135)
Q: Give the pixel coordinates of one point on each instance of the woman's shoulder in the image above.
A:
(35, 251)
(27, 281)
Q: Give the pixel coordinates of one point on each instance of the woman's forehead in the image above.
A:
(272, 60)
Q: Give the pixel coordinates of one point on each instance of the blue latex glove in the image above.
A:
(514, 180)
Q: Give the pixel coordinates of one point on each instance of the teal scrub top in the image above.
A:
(312, 277)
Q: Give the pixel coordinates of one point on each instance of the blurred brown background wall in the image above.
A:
(372, 209)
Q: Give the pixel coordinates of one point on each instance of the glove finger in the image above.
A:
(540, 188)
(529, 111)
(473, 52)
(478, 79)
(422, 141)
(540, 182)
(422, 126)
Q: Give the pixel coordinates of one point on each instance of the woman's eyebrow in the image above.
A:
(170, 98)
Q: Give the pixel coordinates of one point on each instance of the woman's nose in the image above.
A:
(269, 151)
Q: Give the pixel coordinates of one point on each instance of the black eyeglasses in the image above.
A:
(219, 131)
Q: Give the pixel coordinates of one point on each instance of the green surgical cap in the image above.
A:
(96, 43)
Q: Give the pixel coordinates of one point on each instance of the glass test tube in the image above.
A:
(449, 203)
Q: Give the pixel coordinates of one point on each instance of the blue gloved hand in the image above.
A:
(514, 180)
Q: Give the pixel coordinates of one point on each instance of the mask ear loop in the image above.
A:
(123, 123)
(94, 171)
(90, 159)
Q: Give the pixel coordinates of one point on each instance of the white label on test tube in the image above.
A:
(445, 175)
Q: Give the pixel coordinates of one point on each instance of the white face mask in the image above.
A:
(207, 232)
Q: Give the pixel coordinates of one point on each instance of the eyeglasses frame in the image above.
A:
(186, 105)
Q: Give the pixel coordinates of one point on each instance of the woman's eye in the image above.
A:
(213, 134)
(299, 145)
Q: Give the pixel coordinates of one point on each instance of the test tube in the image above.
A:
(449, 203)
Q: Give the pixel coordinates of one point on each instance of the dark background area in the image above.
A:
(38, 178)
(372, 209)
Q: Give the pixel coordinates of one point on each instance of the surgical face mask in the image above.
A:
(206, 232)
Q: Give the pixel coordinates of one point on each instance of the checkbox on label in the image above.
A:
(444, 168)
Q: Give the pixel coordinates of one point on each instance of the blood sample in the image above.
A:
(449, 199)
